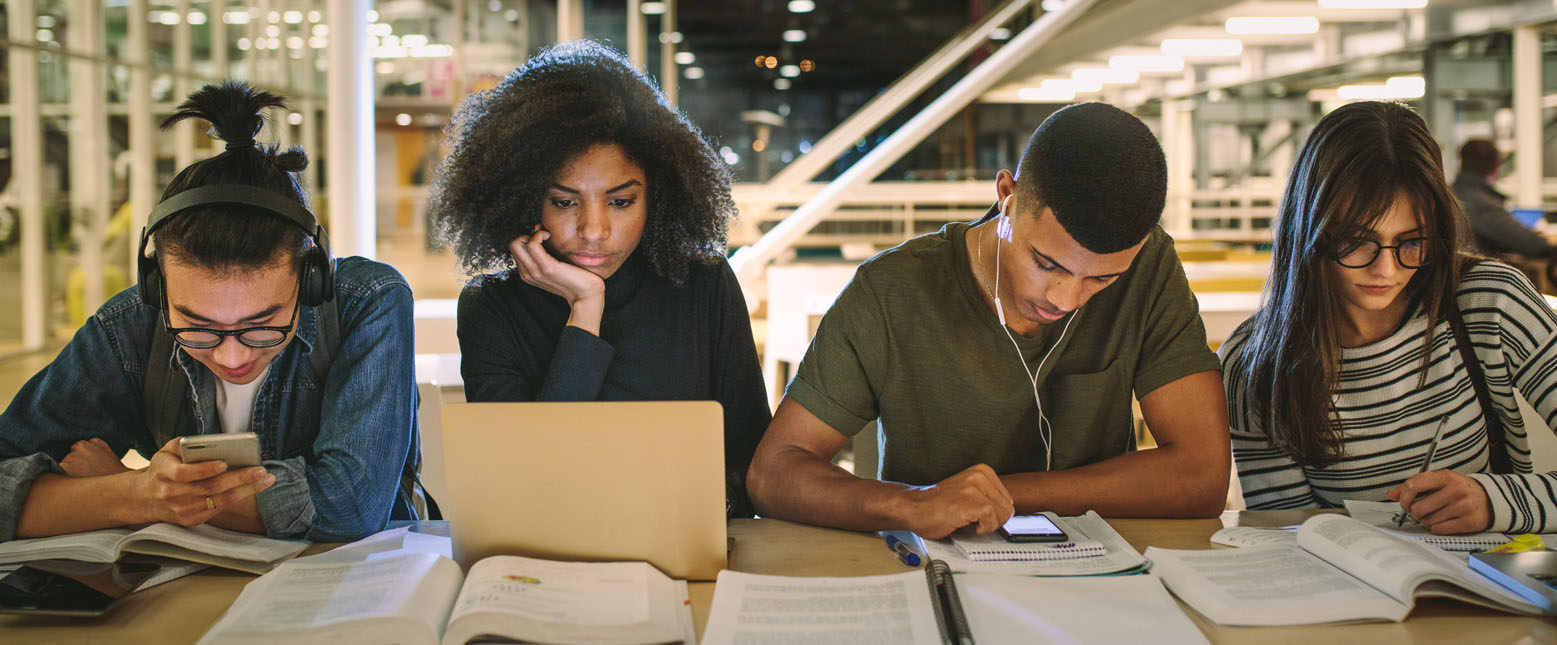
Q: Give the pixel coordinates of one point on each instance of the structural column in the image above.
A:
(1178, 145)
(637, 35)
(27, 170)
(1528, 134)
(570, 20)
(143, 141)
(88, 156)
(183, 69)
(218, 24)
(669, 74)
(349, 131)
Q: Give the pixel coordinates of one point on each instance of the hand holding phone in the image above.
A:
(1032, 528)
(239, 450)
(187, 483)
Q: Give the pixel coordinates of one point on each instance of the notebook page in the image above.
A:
(1384, 514)
(1119, 556)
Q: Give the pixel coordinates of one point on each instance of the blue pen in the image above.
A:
(904, 553)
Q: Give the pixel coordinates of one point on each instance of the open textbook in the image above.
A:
(204, 544)
(932, 606)
(423, 598)
(1340, 569)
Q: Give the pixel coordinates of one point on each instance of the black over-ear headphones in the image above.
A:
(317, 279)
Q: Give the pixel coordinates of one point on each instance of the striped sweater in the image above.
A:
(1388, 414)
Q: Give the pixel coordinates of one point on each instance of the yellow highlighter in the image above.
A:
(1521, 544)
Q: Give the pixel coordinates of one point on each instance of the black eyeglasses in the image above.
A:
(256, 337)
(1356, 254)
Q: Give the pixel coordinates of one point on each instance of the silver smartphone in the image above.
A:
(239, 450)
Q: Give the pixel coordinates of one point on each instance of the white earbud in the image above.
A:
(1045, 429)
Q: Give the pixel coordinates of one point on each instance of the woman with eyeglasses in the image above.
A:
(1383, 361)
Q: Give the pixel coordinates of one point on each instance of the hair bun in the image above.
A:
(234, 109)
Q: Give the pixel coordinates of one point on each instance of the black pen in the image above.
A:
(1427, 460)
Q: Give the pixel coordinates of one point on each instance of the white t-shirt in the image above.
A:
(235, 403)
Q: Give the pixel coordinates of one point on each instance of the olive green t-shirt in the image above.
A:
(911, 342)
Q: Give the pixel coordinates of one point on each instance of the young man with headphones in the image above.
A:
(241, 322)
(999, 358)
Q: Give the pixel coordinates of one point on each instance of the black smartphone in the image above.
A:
(70, 587)
(1032, 528)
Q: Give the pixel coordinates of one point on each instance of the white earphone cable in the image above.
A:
(1045, 429)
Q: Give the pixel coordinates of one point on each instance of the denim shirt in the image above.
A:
(337, 450)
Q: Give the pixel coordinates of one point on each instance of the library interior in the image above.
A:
(750, 321)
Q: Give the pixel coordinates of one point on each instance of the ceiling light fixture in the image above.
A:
(1372, 4)
(1146, 64)
(1272, 25)
(1202, 47)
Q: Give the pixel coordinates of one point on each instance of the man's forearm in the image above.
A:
(1167, 481)
(57, 505)
(795, 485)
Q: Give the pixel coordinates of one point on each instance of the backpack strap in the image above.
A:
(328, 341)
(1497, 453)
(164, 389)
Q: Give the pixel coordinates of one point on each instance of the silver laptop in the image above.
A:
(606, 481)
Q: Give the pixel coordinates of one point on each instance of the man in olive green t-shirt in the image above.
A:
(983, 419)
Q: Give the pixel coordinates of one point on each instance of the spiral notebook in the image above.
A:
(993, 548)
(1385, 514)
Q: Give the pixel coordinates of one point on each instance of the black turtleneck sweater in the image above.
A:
(658, 342)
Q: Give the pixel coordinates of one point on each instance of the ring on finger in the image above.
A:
(210, 504)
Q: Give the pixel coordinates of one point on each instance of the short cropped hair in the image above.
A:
(1102, 173)
(1479, 156)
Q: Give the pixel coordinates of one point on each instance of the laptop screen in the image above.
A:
(1529, 216)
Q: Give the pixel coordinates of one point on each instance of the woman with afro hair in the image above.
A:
(591, 217)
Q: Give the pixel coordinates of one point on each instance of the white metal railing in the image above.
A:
(749, 261)
(889, 212)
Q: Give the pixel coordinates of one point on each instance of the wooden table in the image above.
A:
(181, 611)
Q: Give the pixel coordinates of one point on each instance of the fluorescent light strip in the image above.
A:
(1202, 47)
(1272, 26)
(1105, 75)
(1046, 96)
(1146, 64)
(1397, 87)
(1372, 4)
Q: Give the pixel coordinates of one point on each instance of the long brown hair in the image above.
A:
(1358, 161)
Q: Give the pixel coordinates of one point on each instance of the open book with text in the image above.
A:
(203, 544)
(425, 598)
(934, 605)
(1340, 569)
